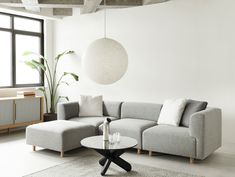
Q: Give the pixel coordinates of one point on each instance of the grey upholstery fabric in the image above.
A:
(131, 127)
(169, 139)
(192, 107)
(205, 126)
(147, 111)
(58, 135)
(67, 110)
(198, 141)
(112, 108)
(94, 121)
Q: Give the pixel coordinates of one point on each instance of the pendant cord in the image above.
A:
(104, 18)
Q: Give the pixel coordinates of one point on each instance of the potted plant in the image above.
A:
(40, 64)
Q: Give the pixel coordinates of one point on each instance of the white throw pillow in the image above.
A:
(90, 106)
(171, 112)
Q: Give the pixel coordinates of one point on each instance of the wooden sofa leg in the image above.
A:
(34, 148)
(62, 154)
(138, 151)
(191, 160)
(150, 153)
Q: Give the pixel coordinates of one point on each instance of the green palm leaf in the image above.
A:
(41, 89)
(64, 97)
(39, 65)
(63, 53)
(64, 82)
(27, 53)
(75, 76)
(31, 64)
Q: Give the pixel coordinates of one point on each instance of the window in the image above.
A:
(17, 35)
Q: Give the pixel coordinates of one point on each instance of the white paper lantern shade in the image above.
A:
(105, 61)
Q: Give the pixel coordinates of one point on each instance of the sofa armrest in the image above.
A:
(67, 110)
(206, 127)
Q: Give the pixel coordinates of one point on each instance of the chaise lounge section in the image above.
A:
(58, 135)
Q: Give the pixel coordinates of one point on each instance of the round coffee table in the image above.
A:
(110, 152)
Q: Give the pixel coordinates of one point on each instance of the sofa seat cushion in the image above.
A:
(131, 127)
(94, 121)
(170, 140)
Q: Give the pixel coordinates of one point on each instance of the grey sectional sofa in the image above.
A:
(197, 138)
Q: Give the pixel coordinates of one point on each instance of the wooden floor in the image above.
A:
(18, 159)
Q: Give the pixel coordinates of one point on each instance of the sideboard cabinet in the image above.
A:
(20, 111)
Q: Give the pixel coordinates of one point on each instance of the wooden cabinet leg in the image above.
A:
(34, 148)
(62, 154)
(150, 153)
(191, 160)
(138, 151)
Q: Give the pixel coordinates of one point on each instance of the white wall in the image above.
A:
(182, 48)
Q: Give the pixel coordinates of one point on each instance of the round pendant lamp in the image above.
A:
(105, 60)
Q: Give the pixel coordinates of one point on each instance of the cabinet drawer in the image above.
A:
(6, 112)
(27, 110)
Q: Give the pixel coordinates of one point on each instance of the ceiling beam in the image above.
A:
(46, 3)
(31, 5)
(44, 14)
(72, 3)
(10, 1)
(75, 2)
(81, 2)
(61, 12)
(90, 6)
(147, 2)
(123, 2)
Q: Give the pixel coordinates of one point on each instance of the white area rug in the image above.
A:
(89, 167)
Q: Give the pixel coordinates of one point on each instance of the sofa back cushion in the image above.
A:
(67, 110)
(192, 106)
(147, 111)
(112, 108)
(172, 111)
(90, 106)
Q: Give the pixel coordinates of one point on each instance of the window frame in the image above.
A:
(14, 32)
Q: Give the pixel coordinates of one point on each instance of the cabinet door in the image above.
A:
(27, 110)
(6, 112)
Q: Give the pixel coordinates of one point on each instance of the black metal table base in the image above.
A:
(112, 156)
